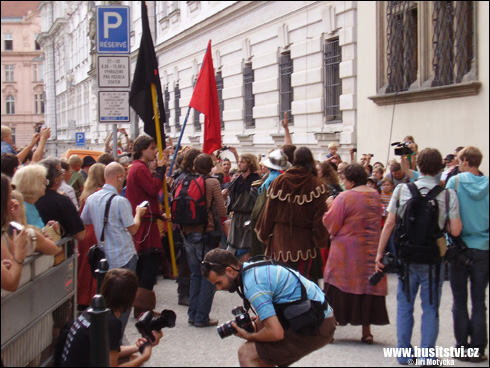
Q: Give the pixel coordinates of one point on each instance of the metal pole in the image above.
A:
(114, 140)
(101, 272)
(99, 334)
(178, 143)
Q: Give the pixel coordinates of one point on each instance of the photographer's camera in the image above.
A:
(242, 319)
(147, 322)
(391, 266)
(402, 149)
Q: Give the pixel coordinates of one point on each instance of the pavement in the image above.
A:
(189, 346)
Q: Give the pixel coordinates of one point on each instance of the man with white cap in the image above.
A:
(277, 162)
(290, 223)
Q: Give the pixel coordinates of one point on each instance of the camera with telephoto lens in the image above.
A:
(391, 266)
(242, 319)
(456, 251)
(402, 149)
(147, 322)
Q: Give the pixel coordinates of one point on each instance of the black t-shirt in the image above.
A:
(76, 352)
(55, 206)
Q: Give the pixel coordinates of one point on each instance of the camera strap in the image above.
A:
(106, 216)
(266, 261)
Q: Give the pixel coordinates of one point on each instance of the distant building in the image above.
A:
(340, 70)
(23, 99)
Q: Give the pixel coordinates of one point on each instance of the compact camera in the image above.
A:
(144, 204)
(147, 323)
(456, 251)
(391, 266)
(402, 149)
(224, 148)
(242, 319)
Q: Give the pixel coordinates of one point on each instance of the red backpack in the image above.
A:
(189, 202)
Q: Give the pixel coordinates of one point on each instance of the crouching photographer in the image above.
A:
(119, 290)
(293, 317)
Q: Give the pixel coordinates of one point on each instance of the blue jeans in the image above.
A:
(476, 326)
(418, 277)
(202, 291)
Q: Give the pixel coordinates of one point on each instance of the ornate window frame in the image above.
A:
(423, 87)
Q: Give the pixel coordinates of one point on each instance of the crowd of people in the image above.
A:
(326, 219)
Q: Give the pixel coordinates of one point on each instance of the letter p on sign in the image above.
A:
(108, 25)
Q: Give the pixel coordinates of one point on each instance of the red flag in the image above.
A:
(205, 100)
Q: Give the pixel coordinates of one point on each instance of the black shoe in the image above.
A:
(183, 300)
(478, 359)
(210, 323)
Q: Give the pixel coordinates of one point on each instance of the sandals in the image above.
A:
(368, 339)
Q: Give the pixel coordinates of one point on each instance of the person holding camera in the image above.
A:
(119, 290)
(472, 191)
(426, 276)
(274, 291)
(121, 225)
(142, 185)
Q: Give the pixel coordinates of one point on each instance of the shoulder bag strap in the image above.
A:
(106, 216)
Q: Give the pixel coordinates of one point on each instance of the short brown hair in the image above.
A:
(203, 164)
(356, 173)
(217, 260)
(472, 154)
(429, 161)
(188, 160)
(119, 289)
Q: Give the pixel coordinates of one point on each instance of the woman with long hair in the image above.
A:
(87, 284)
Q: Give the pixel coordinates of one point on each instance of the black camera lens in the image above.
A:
(226, 329)
(376, 277)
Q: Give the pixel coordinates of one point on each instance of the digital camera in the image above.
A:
(456, 251)
(242, 319)
(402, 149)
(391, 266)
(147, 323)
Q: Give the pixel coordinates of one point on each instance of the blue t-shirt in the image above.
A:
(7, 148)
(472, 191)
(32, 216)
(269, 284)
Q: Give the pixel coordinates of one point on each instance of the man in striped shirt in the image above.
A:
(118, 240)
(268, 288)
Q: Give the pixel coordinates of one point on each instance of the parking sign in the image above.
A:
(113, 29)
(79, 139)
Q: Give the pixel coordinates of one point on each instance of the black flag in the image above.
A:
(145, 74)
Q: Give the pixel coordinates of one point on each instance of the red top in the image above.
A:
(141, 186)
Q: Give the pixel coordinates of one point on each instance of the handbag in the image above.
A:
(96, 251)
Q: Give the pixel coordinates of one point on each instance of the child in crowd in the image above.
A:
(332, 155)
(373, 183)
(378, 172)
(385, 196)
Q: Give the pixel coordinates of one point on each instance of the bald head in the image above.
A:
(114, 174)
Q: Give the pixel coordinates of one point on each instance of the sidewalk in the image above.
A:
(188, 346)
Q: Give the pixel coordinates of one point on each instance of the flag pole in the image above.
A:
(165, 191)
(178, 142)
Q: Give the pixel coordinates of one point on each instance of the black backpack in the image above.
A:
(189, 202)
(417, 232)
